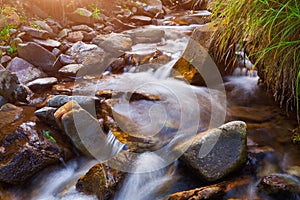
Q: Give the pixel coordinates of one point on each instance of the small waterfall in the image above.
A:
(113, 143)
(146, 182)
(60, 183)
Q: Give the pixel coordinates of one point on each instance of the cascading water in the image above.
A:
(146, 182)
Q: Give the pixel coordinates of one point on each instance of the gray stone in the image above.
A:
(63, 33)
(143, 20)
(73, 119)
(25, 71)
(70, 70)
(216, 153)
(8, 84)
(42, 83)
(34, 32)
(47, 43)
(146, 35)
(114, 43)
(66, 59)
(88, 103)
(83, 52)
(24, 152)
(2, 101)
(82, 16)
(43, 25)
(5, 59)
(46, 114)
(82, 27)
(37, 55)
(75, 36)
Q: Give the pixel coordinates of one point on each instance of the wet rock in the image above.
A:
(24, 152)
(46, 114)
(37, 55)
(204, 35)
(218, 152)
(118, 24)
(88, 103)
(146, 35)
(74, 121)
(87, 37)
(82, 28)
(23, 93)
(82, 52)
(154, 7)
(8, 85)
(9, 113)
(43, 25)
(141, 20)
(70, 70)
(195, 65)
(35, 33)
(49, 43)
(66, 60)
(63, 33)
(114, 43)
(279, 184)
(102, 179)
(82, 16)
(56, 52)
(42, 83)
(2, 101)
(4, 60)
(75, 36)
(208, 192)
(25, 71)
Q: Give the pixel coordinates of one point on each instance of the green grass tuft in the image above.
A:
(270, 32)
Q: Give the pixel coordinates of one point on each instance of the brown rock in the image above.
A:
(25, 71)
(75, 36)
(37, 55)
(208, 192)
(102, 179)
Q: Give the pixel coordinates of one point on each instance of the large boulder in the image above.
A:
(37, 55)
(24, 152)
(216, 153)
(81, 127)
(25, 71)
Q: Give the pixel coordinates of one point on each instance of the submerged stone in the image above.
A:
(277, 184)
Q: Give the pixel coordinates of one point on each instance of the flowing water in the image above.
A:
(154, 176)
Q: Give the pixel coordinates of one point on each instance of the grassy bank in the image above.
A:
(270, 32)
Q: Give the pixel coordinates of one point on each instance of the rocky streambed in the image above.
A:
(102, 108)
